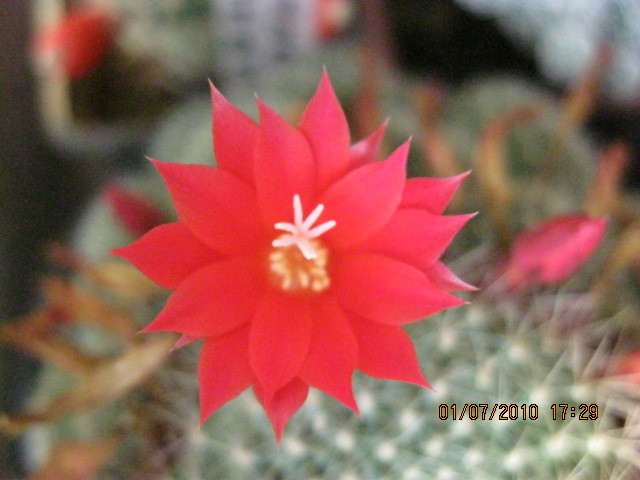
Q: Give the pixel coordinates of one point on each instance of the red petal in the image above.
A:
(279, 340)
(386, 351)
(137, 213)
(284, 404)
(431, 194)
(415, 236)
(553, 250)
(364, 200)
(219, 208)
(284, 167)
(332, 354)
(223, 370)
(183, 341)
(234, 137)
(384, 290)
(215, 299)
(325, 125)
(168, 254)
(367, 150)
(445, 279)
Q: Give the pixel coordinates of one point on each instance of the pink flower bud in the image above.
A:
(552, 251)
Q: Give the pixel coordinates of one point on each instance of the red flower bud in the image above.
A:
(78, 41)
(137, 213)
(332, 17)
(552, 251)
(627, 366)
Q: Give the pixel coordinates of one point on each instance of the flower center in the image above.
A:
(292, 272)
(299, 259)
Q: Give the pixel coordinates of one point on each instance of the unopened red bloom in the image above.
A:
(79, 41)
(299, 258)
(627, 366)
(137, 213)
(552, 251)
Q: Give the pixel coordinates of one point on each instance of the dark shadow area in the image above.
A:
(40, 195)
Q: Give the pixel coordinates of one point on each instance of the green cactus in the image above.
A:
(176, 35)
(159, 417)
(548, 182)
(499, 350)
(493, 352)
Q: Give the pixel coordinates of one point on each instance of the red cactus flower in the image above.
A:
(298, 259)
(552, 251)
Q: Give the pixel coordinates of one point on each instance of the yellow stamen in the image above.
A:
(291, 271)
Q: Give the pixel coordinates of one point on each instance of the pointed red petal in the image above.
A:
(168, 254)
(367, 150)
(325, 125)
(279, 340)
(443, 278)
(415, 236)
(215, 299)
(223, 370)
(431, 194)
(386, 351)
(364, 200)
(234, 137)
(219, 208)
(384, 290)
(332, 354)
(137, 213)
(183, 341)
(284, 404)
(284, 167)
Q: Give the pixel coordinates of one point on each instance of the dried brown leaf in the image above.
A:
(583, 95)
(490, 164)
(83, 305)
(114, 274)
(36, 334)
(366, 106)
(604, 194)
(107, 381)
(438, 153)
(124, 280)
(625, 253)
(77, 460)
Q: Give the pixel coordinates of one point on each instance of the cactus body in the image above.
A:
(491, 353)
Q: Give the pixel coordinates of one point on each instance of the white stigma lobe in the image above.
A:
(300, 231)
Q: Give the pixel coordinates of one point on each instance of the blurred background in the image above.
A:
(88, 88)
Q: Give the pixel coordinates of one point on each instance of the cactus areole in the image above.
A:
(299, 258)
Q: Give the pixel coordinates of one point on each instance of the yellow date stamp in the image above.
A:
(485, 411)
(515, 411)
